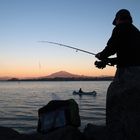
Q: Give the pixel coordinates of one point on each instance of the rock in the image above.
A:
(64, 133)
(95, 132)
(8, 133)
(30, 136)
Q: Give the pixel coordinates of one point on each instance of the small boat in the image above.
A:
(85, 93)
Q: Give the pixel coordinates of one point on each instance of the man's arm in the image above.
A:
(102, 63)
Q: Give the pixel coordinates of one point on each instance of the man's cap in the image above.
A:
(123, 14)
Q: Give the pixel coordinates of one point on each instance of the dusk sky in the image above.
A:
(85, 24)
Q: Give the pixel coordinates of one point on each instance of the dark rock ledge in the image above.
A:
(91, 132)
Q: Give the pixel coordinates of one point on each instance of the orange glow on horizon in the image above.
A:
(21, 73)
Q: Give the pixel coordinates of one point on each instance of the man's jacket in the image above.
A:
(125, 43)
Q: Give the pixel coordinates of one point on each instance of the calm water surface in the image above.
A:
(20, 101)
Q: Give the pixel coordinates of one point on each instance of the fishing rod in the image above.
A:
(99, 64)
(67, 46)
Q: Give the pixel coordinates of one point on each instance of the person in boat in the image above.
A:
(122, 105)
(80, 90)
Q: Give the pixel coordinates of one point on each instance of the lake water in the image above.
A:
(20, 101)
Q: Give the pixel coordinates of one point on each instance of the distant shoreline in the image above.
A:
(108, 78)
(60, 76)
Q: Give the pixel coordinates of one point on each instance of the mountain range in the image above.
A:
(60, 75)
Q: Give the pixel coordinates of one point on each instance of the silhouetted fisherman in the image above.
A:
(123, 95)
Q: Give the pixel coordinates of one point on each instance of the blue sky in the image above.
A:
(86, 24)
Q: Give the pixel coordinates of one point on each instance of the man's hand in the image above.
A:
(100, 64)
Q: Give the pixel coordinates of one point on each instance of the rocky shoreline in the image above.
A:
(91, 132)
